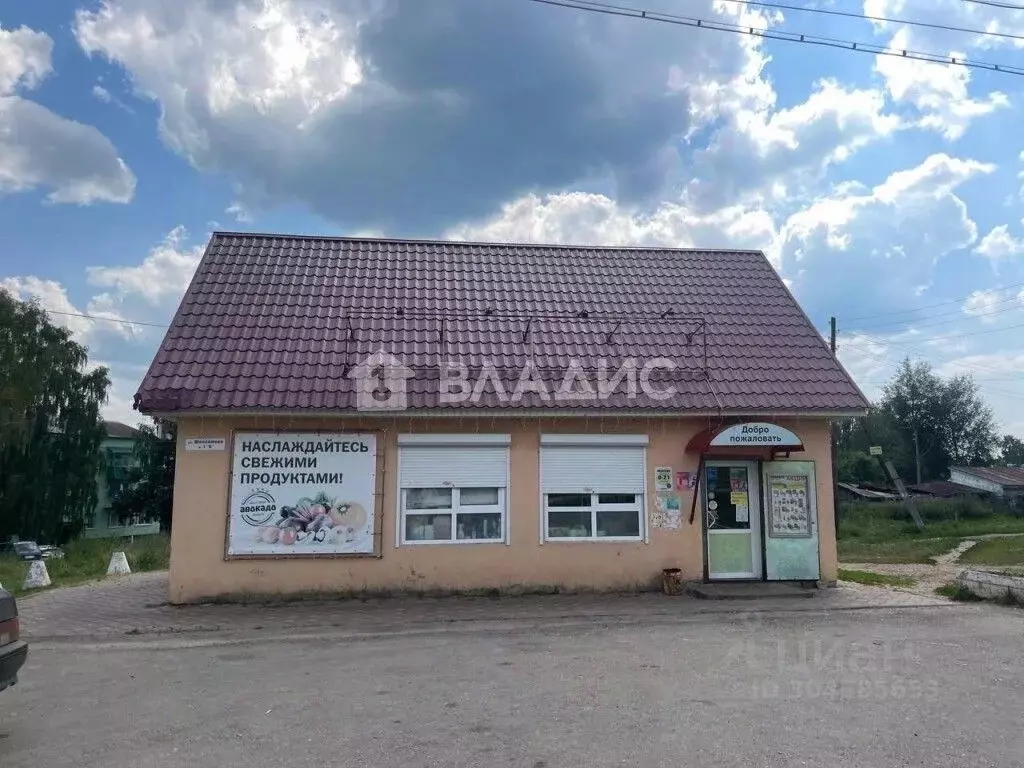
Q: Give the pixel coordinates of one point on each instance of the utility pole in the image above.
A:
(917, 455)
(835, 434)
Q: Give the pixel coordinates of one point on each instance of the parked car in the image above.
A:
(13, 650)
(28, 550)
(51, 551)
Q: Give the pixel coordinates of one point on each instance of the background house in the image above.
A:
(1006, 482)
(118, 449)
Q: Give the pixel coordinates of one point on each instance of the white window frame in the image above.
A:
(640, 503)
(594, 508)
(454, 511)
(441, 440)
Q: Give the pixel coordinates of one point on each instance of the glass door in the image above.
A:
(732, 515)
(791, 536)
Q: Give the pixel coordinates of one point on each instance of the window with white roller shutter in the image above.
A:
(453, 489)
(593, 487)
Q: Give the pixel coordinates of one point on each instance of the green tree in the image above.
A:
(942, 422)
(1011, 451)
(967, 428)
(50, 427)
(855, 463)
(148, 490)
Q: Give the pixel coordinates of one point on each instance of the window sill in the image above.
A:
(596, 540)
(456, 542)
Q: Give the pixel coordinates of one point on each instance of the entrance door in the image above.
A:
(732, 514)
(791, 538)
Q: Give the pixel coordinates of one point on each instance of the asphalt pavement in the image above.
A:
(939, 685)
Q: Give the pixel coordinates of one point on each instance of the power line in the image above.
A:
(896, 366)
(781, 35)
(105, 319)
(996, 4)
(947, 337)
(886, 19)
(928, 306)
(887, 343)
(955, 317)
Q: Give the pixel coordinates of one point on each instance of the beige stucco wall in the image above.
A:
(199, 569)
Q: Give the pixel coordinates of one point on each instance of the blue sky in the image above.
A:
(887, 192)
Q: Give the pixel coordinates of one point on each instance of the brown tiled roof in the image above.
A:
(1010, 477)
(279, 322)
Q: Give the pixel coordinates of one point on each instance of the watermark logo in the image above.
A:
(380, 381)
(780, 665)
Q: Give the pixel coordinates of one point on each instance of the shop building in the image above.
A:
(363, 414)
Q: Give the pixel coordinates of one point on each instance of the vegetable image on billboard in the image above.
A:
(302, 494)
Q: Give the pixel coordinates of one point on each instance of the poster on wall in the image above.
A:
(789, 508)
(302, 494)
(663, 479)
(686, 480)
(668, 511)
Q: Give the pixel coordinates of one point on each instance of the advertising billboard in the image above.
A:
(302, 494)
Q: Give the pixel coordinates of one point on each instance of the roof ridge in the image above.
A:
(480, 243)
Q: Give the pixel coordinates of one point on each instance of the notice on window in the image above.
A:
(302, 494)
(663, 479)
(739, 498)
(789, 507)
(742, 513)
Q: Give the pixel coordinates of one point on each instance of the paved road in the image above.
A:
(136, 606)
(922, 686)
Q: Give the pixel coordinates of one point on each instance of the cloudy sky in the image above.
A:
(886, 191)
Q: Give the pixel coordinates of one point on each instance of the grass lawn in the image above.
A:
(87, 559)
(1008, 551)
(875, 579)
(956, 592)
(884, 533)
(902, 549)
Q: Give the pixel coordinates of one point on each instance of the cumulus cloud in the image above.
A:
(52, 296)
(39, 148)
(938, 93)
(122, 320)
(759, 150)
(24, 58)
(999, 244)
(592, 219)
(880, 243)
(870, 361)
(405, 113)
(144, 292)
(163, 275)
(983, 305)
(240, 212)
(989, 18)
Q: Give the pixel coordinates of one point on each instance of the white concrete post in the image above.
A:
(118, 565)
(37, 576)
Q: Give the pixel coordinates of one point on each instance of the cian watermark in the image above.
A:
(812, 667)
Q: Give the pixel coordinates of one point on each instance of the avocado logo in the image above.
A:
(258, 508)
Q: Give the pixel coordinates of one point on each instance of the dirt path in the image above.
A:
(928, 577)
